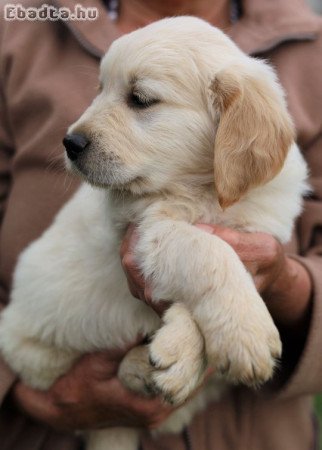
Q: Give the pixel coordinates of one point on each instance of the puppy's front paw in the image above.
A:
(135, 370)
(178, 356)
(173, 364)
(246, 350)
(253, 356)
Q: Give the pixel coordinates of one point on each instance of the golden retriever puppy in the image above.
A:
(185, 128)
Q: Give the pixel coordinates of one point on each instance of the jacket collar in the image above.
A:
(95, 36)
(264, 25)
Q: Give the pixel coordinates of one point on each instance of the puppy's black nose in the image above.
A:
(75, 144)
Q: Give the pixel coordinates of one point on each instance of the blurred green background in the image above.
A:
(317, 6)
(318, 408)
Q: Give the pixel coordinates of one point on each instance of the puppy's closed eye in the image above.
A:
(138, 100)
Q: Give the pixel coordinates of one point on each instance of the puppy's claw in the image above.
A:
(151, 389)
(225, 368)
(152, 361)
(168, 399)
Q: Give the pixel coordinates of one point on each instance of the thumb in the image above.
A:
(207, 228)
(214, 228)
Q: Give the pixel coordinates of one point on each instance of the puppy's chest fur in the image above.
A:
(188, 205)
(103, 217)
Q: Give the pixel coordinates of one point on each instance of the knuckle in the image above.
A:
(54, 414)
(123, 249)
(273, 249)
(56, 399)
(149, 412)
(147, 294)
(156, 421)
(154, 425)
(234, 239)
(127, 261)
(134, 291)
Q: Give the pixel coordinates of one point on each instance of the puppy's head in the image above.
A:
(180, 103)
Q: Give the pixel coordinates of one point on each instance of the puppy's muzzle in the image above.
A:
(75, 144)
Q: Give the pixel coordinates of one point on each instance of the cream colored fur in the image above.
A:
(213, 110)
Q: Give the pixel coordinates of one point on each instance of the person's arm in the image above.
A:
(7, 377)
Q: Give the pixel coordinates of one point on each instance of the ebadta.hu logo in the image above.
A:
(49, 12)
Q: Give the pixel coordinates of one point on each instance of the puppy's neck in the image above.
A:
(183, 203)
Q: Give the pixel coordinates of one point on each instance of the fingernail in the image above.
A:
(206, 228)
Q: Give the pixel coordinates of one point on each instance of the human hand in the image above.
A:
(91, 396)
(283, 282)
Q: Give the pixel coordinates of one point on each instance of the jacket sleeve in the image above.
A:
(7, 378)
(6, 148)
(35, 111)
(306, 376)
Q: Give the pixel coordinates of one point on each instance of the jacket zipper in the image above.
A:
(187, 439)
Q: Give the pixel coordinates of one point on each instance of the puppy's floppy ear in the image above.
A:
(254, 131)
